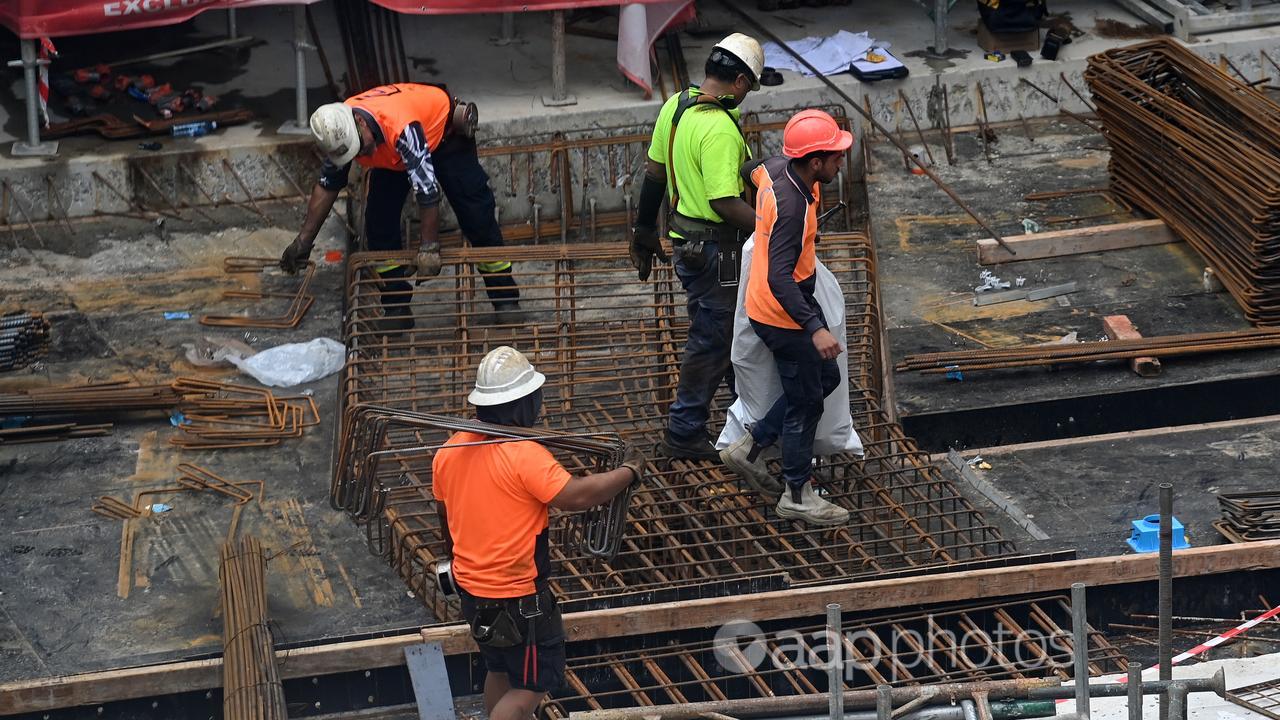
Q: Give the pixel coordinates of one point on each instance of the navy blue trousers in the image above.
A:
(807, 380)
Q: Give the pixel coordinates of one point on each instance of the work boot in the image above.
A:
(508, 312)
(737, 457)
(811, 508)
(698, 447)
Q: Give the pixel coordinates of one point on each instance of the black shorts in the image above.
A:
(539, 667)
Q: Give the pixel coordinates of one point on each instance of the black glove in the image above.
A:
(645, 243)
(295, 256)
(634, 460)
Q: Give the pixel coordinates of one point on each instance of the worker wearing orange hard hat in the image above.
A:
(785, 315)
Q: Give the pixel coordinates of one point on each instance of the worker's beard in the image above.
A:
(522, 412)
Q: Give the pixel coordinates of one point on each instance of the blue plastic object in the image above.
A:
(1146, 535)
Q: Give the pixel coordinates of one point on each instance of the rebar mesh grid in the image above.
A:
(1012, 640)
(1263, 697)
(609, 346)
(588, 176)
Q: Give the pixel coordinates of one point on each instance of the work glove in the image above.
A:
(428, 261)
(295, 256)
(644, 245)
(633, 459)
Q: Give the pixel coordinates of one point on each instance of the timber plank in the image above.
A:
(1076, 241)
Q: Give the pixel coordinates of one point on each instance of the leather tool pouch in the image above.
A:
(493, 626)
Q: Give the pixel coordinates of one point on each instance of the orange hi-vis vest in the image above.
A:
(761, 304)
(394, 107)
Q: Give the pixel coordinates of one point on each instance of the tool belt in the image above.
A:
(696, 234)
(509, 622)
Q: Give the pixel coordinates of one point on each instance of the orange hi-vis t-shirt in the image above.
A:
(393, 107)
(495, 498)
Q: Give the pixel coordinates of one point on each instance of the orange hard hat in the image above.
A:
(812, 131)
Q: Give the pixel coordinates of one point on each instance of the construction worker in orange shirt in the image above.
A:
(785, 315)
(493, 500)
(407, 136)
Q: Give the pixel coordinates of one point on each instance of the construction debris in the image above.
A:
(1202, 152)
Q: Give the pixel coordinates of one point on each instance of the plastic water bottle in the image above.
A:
(194, 129)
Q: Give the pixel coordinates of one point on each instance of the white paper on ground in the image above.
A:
(831, 55)
(756, 373)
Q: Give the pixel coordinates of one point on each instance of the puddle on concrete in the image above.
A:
(939, 62)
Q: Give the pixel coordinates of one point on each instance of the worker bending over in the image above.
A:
(493, 500)
(695, 154)
(781, 307)
(408, 136)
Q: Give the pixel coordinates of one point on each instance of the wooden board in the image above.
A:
(1076, 241)
(90, 688)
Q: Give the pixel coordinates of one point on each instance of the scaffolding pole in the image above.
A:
(299, 125)
(32, 147)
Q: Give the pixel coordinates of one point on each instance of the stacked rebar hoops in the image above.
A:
(1202, 152)
(251, 688)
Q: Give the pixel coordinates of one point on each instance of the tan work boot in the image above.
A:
(811, 508)
(735, 457)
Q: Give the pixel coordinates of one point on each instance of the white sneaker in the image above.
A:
(755, 473)
(811, 508)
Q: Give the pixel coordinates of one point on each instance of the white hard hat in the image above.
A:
(746, 50)
(504, 375)
(334, 128)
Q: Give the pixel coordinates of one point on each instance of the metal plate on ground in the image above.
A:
(430, 681)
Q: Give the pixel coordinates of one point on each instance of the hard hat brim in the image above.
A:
(489, 399)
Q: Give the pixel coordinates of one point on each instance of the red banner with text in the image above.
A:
(59, 18)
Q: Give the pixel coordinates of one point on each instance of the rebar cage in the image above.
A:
(610, 347)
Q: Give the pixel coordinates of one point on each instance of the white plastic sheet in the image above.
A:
(756, 373)
(294, 363)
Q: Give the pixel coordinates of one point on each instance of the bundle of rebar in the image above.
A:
(24, 339)
(358, 488)
(1249, 516)
(1088, 352)
(101, 398)
(251, 688)
(1202, 152)
(52, 432)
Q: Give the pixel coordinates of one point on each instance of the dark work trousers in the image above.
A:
(466, 186)
(706, 362)
(807, 380)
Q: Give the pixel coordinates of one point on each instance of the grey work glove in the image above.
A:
(295, 256)
(634, 460)
(645, 243)
(428, 261)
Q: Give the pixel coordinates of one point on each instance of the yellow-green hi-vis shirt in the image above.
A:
(708, 151)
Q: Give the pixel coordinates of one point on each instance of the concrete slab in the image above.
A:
(929, 271)
(1084, 492)
(61, 611)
